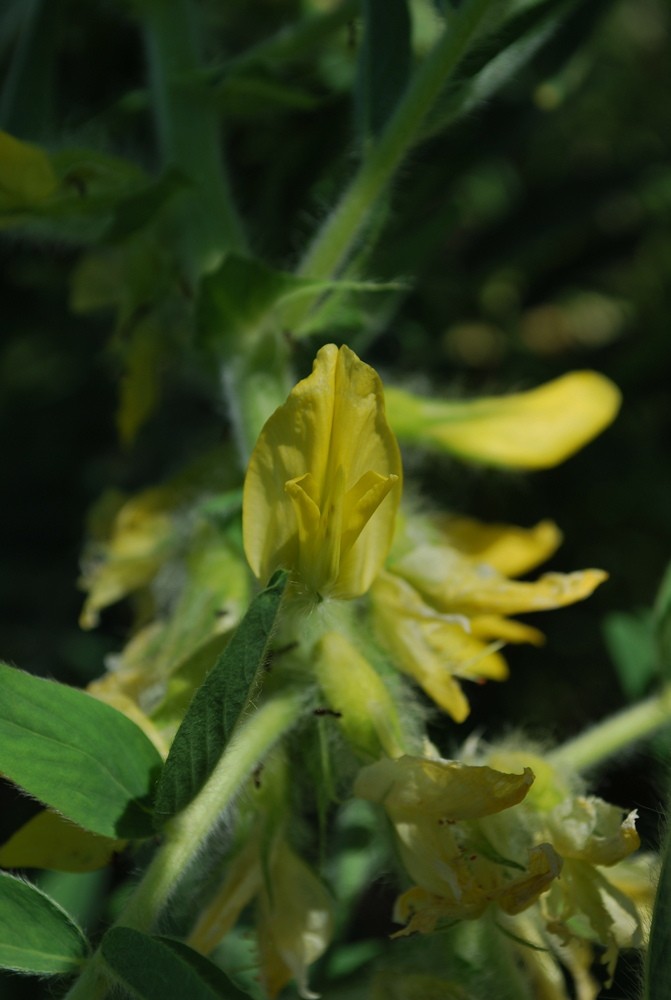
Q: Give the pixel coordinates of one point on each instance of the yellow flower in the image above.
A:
(433, 805)
(597, 896)
(440, 608)
(526, 430)
(324, 481)
(26, 176)
(294, 923)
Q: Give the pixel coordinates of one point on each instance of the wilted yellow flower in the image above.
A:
(294, 924)
(440, 607)
(26, 175)
(526, 430)
(324, 481)
(433, 804)
(132, 537)
(588, 904)
(354, 689)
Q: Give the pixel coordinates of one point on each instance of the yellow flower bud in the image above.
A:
(526, 430)
(324, 481)
(369, 719)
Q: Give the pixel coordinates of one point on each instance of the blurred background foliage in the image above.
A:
(536, 236)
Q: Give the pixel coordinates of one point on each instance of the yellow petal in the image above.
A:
(452, 584)
(295, 927)
(26, 176)
(424, 909)
(466, 655)
(428, 646)
(497, 627)
(594, 831)
(510, 550)
(332, 419)
(403, 636)
(243, 881)
(48, 840)
(369, 718)
(446, 789)
(526, 430)
(545, 866)
(548, 790)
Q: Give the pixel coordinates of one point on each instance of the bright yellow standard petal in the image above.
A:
(508, 549)
(526, 430)
(323, 482)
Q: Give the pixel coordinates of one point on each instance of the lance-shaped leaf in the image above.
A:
(81, 757)
(158, 968)
(218, 704)
(36, 935)
(384, 62)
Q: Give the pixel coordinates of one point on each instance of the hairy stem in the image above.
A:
(186, 834)
(189, 134)
(615, 733)
(333, 243)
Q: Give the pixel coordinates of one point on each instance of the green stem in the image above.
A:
(26, 106)
(189, 133)
(333, 243)
(186, 834)
(615, 733)
(256, 383)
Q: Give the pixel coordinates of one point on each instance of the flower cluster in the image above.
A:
(377, 594)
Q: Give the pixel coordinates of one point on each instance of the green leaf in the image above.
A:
(139, 209)
(245, 294)
(76, 754)
(658, 961)
(662, 621)
(158, 968)
(219, 704)
(384, 62)
(493, 62)
(632, 646)
(36, 935)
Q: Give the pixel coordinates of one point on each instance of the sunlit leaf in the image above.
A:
(79, 756)
(36, 935)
